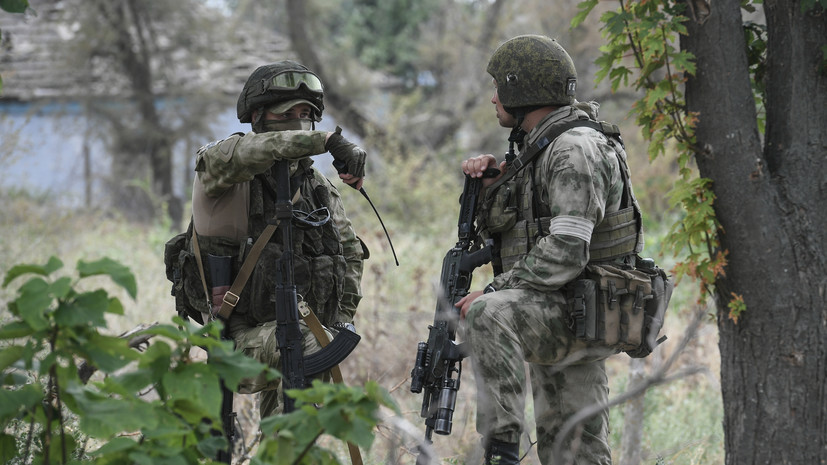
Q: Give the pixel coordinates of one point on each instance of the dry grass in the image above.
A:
(683, 418)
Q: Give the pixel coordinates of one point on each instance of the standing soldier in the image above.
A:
(542, 213)
(234, 201)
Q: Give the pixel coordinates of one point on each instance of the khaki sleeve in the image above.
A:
(238, 158)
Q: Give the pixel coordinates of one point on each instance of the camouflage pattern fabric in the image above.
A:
(259, 342)
(578, 176)
(238, 158)
(526, 319)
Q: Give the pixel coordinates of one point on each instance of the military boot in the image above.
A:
(502, 453)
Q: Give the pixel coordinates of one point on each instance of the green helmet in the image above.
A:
(280, 82)
(533, 71)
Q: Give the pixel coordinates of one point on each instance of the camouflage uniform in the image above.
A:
(225, 173)
(573, 183)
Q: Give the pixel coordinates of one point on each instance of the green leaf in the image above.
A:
(84, 310)
(193, 388)
(585, 8)
(33, 302)
(108, 353)
(50, 267)
(10, 355)
(103, 417)
(233, 366)
(8, 448)
(115, 445)
(12, 401)
(211, 445)
(14, 6)
(15, 329)
(119, 273)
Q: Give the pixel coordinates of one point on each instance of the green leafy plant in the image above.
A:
(51, 414)
(642, 46)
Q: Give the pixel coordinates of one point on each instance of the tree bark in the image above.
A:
(770, 202)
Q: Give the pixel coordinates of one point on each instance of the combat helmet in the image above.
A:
(533, 71)
(285, 82)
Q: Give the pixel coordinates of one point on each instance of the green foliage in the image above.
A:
(648, 32)
(348, 414)
(14, 6)
(384, 33)
(47, 409)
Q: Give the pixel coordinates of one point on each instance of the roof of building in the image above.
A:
(34, 64)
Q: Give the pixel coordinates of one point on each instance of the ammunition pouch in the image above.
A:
(623, 308)
(501, 209)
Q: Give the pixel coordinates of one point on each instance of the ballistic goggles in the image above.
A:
(291, 80)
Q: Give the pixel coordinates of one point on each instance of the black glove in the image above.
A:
(347, 157)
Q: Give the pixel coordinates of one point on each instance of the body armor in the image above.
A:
(319, 264)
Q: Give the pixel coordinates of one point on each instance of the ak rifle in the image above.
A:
(438, 364)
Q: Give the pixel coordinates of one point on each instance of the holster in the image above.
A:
(221, 277)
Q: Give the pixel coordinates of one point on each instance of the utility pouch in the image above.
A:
(655, 310)
(583, 304)
(622, 295)
(622, 307)
(502, 209)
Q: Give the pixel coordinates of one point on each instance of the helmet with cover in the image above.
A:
(282, 84)
(533, 71)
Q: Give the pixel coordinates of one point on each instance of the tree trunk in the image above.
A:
(770, 203)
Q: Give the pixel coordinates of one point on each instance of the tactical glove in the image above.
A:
(348, 157)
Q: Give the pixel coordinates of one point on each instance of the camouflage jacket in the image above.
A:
(566, 190)
(239, 167)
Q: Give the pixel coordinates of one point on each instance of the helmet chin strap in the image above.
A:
(517, 134)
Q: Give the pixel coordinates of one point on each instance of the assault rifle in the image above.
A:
(296, 367)
(438, 364)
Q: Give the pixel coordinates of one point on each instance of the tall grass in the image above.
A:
(419, 206)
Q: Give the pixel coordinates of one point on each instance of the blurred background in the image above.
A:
(105, 102)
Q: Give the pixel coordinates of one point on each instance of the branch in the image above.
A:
(658, 377)
(137, 341)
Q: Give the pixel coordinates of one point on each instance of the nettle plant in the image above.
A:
(51, 412)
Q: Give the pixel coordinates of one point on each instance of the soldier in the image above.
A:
(234, 197)
(541, 217)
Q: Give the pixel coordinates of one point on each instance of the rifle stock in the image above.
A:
(438, 363)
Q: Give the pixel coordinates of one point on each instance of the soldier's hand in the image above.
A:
(348, 158)
(351, 180)
(476, 166)
(465, 303)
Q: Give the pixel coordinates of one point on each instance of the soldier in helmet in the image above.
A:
(234, 197)
(541, 212)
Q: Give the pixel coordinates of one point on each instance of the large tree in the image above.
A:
(744, 94)
(153, 55)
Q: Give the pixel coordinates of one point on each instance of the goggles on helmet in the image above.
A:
(291, 80)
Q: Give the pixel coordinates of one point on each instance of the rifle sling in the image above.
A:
(317, 329)
(234, 294)
(530, 153)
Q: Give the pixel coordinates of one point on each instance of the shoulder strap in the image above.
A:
(232, 296)
(530, 153)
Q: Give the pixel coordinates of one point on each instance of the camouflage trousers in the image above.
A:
(506, 328)
(259, 342)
